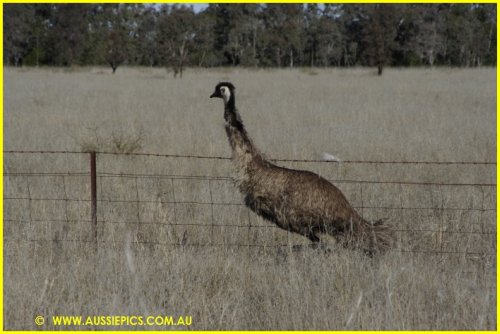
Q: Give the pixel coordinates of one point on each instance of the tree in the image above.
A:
(17, 32)
(485, 27)
(379, 35)
(352, 19)
(176, 36)
(66, 35)
(324, 44)
(236, 29)
(312, 26)
(459, 35)
(430, 33)
(405, 46)
(284, 34)
(116, 47)
(469, 34)
(243, 35)
(116, 35)
(250, 35)
(204, 53)
(147, 37)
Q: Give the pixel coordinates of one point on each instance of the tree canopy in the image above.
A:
(260, 35)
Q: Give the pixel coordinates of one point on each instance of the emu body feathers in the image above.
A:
(295, 200)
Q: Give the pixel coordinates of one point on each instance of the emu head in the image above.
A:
(224, 90)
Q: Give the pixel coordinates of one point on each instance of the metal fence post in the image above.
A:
(93, 194)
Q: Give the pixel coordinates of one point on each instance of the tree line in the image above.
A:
(251, 35)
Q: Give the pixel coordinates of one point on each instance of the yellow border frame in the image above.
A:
(254, 1)
(229, 1)
(1, 175)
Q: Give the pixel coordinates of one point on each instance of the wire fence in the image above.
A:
(49, 202)
(276, 160)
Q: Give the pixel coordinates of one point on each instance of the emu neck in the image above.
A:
(241, 144)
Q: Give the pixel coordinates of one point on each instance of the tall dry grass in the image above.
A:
(414, 114)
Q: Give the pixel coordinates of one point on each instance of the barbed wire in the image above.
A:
(102, 174)
(442, 229)
(190, 156)
(235, 203)
(48, 174)
(132, 222)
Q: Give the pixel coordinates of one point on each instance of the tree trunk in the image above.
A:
(113, 66)
(380, 68)
(490, 34)
(37, 53)
(254, 46)
(430, 57)
(200, 63)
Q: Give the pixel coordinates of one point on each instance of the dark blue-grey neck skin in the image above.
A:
(235, 129)
(231, 114)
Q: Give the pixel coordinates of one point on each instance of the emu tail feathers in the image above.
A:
(372, 237)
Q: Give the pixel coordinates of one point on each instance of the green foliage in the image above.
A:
(264, 35)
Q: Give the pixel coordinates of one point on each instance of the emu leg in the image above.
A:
(314, 238)
(311, 236)
(317, 243)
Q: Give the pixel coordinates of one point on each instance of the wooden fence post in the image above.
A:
(93, 194)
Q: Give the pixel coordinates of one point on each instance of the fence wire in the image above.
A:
(433, 237)
(278, 160)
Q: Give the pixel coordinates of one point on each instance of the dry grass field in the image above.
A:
(173, 236)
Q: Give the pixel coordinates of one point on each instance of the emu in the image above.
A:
(295, 200)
